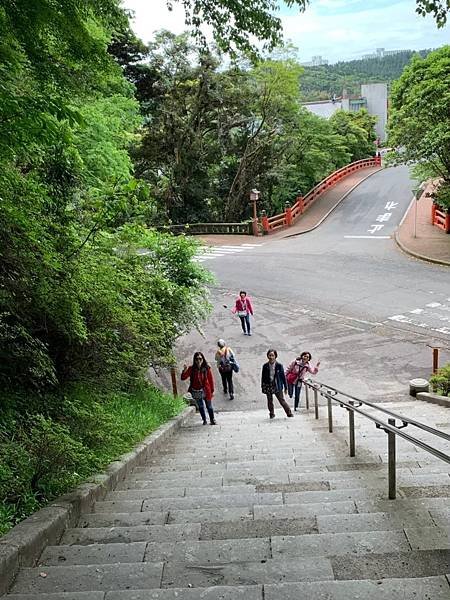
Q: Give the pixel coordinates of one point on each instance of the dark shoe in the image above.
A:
(213, 422)
(225, 391)
(231, 396)
(248, 333)
(272, 416)
(205, 422)
(290, 414)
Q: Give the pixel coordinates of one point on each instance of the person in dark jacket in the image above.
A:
(201, 385)
(273, 381)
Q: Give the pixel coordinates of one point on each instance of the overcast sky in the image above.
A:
(334, 29)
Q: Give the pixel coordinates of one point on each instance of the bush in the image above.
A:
(62, 439)
(440, 381)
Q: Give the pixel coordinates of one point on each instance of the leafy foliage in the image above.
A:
(419, 124)
(212, 133)
(46, 449)
(323, 82)
(440, 381)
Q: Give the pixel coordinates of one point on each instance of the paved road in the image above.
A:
(350, 266)
(357, 303)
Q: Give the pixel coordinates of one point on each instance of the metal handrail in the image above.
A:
(427, 428)
(390, 428)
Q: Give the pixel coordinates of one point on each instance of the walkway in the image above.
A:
(254, 509)
(418, 237)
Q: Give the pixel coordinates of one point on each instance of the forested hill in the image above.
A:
(320, 83)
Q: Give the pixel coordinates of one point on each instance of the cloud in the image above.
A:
(337, 36)
(334, 29)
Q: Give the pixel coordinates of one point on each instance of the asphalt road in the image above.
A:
(344, 292)
(350, 265)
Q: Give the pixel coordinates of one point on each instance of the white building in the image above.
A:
(373, 98)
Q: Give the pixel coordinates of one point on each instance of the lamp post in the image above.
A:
(254, 197)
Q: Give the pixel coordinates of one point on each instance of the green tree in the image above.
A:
(358, 131)
(419, 123)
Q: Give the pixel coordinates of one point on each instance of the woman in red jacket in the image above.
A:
(201, 385)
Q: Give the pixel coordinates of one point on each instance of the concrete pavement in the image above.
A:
(419, 238)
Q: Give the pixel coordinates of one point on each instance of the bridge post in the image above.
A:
(265, 222)
(288, 213)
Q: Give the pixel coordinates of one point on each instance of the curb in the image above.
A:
(433, 398)
(406, 250)
(332, 208)
(24, 543)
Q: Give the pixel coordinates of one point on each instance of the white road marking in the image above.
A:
(211, 252)
(367, 237)
(429, 319)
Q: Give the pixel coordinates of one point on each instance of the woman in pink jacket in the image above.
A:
(243, 308)
(296, 373)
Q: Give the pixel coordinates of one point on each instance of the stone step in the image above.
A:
(145, 576)
(374, 521)
(312, 509)
(88, 578)
(417, 588)
(161, 504)
(416, 563)
(191, 552)
(114, 535)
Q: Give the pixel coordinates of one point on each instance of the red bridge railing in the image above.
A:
(291, 214)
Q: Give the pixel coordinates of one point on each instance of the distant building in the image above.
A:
(316, 61)
(381, 53)
(373, 98)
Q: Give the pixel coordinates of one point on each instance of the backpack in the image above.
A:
(226, 361)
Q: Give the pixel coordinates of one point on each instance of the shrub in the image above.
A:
(48, 445)
(440, 381)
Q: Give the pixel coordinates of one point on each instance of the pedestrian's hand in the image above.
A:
(318, 364)
(184, 367)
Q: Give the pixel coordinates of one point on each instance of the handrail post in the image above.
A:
(306, 396)
(391, 461)
(316, 404)
(351, 426)
(330, 416)
(173, 376)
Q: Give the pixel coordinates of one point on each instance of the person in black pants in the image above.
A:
(273, 382)
(224, 359)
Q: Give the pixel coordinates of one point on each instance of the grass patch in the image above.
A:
(49, 444)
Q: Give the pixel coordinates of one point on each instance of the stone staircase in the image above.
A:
(262, 510)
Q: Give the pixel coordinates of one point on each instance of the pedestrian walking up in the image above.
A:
(273, 381)
(226, 363)
(296, 373)
(243, 308)
(201, 385)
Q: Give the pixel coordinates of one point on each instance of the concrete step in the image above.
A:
(191, 552)
(115, 535)
(374, 521)
(144, 576)
(417, 588)
(161, 504)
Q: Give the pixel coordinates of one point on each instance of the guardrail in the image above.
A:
(353, 405)
(244, 228)
(291, 214)
(440, 218)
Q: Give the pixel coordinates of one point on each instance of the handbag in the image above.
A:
(234, 364)
(242, 313)
(197, 395)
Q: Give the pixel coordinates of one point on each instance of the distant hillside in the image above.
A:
(320, 83)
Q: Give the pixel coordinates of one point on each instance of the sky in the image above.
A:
(333, 29)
